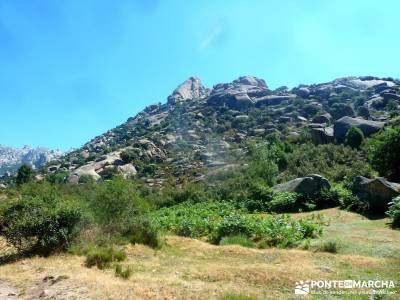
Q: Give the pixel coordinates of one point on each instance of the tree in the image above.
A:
(25, 174)
(354, 137)
(384, 153)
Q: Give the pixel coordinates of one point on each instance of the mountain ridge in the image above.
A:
(198, 128)
(11, 158)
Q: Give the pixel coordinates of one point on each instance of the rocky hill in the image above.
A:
(12, 158)
(199, 129)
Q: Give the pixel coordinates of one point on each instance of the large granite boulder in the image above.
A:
(246, 92)
(251, 81)
(324, 118)
(378, 192)
(322, 135)
(340, 110)
(190, 89)
(308, 185)
(341, 126)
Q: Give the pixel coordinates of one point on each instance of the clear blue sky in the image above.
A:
(71, 70)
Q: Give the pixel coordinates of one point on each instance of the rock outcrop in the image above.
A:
(322, 135)
(308, 185)
(377, 192)
(246, 92)
(188, 90)
(368, 127)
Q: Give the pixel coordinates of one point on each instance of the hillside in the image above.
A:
(201, 129)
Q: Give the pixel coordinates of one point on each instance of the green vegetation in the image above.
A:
(383, 150)
(122, 272)
(216, 221)
(40, 224)
(354, 137)
(102, 257)
(241, 240)
(330, 246)
(394, 212)
(25, 174)
(231, 296)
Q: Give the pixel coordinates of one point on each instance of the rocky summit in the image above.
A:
(199, 129)
(12, 158)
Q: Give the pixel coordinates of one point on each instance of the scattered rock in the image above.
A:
(322, 135)
(325, 118)
(378, 192)
(308, 185)
(368, 127)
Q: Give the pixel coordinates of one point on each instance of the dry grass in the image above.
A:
(192, 269)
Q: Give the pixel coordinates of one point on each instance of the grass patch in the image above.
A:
(241, 240)
(122, 272)
(236, 297)
(330, 246)
(102, 257)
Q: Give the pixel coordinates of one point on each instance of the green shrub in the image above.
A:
(330, 246)
(394, 212)
(241, 240)
(349, 201)
(121, 272)
(24, 175)
(335, 162)
(129, 155)
(116, 204)
(102, 257)
(86, 179)
(284, 202)
(383, 150)
(144, 232)
(40, 225)
(354, 137)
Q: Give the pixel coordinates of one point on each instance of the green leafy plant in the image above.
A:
(394, 212)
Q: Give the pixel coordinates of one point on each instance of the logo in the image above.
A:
(344, 287)
(302, 288)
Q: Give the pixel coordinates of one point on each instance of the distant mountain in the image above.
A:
(199, 130)
(12, 158)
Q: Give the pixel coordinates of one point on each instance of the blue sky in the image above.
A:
(71, 70)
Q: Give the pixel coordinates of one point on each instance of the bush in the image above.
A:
(116, 204)
(40, 225)
(86, 179)
(25, 174)
(335, 162)
(349, 201)
(241, 240)
(354, 137)
(123, 273)
(284, 202)
(143, 232)
(102, 257)
(129, 155)
(383, 149)
(394, 212)
(330, 246)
